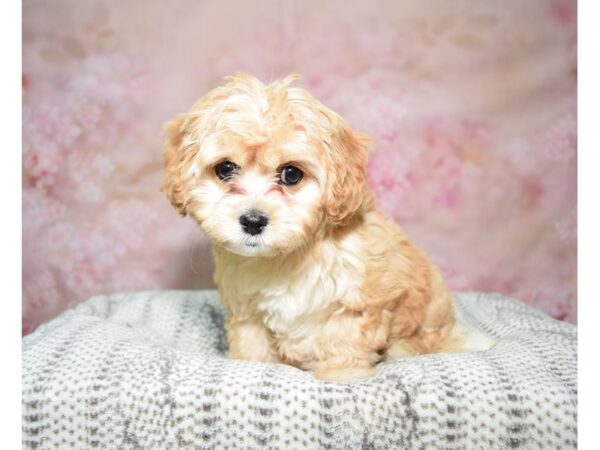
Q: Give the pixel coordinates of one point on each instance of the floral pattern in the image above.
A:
(472, 108)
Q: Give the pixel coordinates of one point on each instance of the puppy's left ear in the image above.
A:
(346, 157)
(175, 161)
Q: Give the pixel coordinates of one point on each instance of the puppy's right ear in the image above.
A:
(175, 161)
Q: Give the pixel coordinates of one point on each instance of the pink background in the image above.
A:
(472, 105)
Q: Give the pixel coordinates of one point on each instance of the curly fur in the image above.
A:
(331, 285)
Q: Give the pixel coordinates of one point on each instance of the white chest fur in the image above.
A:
(288, 290)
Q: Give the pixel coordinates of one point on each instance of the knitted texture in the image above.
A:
(148, 371)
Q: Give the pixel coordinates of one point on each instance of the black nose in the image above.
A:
(253, 222)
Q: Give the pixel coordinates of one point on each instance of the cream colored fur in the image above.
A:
(330, 285)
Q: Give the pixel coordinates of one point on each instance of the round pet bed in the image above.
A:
(148, 370)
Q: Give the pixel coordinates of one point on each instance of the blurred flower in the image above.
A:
(474, 151)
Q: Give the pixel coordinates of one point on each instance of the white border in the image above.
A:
(588, 221)
(10, 235)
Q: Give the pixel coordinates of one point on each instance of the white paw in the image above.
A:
(344, 374)
(475, 341)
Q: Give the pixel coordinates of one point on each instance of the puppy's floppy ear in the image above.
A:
(175, 161)
(346, 161)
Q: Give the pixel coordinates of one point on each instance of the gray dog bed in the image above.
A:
(148, 371)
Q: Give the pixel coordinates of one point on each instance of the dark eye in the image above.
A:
(226, 169)
(290, 175)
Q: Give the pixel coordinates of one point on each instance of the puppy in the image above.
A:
(311, 274)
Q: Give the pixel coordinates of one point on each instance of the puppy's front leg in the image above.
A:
(346, 348)
(343, 370)
(249, 339)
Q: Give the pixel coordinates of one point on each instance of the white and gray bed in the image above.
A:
(148, 371)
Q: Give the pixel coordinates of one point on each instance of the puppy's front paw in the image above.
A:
(344, 374)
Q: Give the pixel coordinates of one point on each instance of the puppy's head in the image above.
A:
(263, 168)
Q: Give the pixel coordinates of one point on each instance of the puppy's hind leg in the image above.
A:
(460, 339)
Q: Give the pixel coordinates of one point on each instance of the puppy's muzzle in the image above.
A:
(253, 222)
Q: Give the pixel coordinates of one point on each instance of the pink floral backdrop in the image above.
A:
(472, 106)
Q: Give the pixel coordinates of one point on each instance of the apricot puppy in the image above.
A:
(310, 272)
